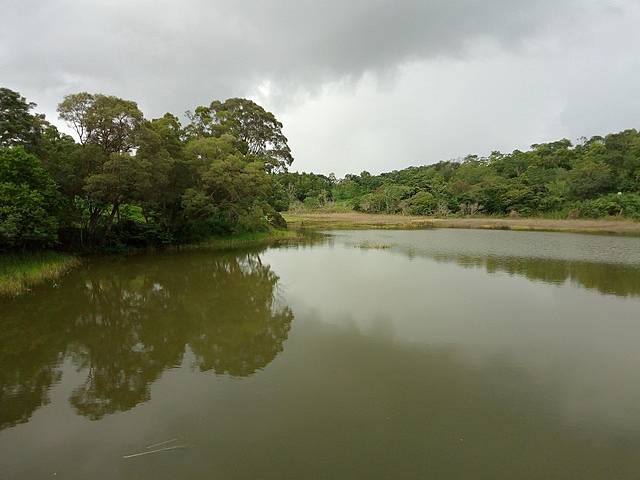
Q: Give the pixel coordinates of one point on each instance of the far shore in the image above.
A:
(355, 220)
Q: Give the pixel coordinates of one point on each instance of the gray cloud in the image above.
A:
(185, 52)
(172, 56)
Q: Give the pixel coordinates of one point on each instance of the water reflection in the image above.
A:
(607, 264)
(616, 279)
(396, 368)
(124, 322)
(424, 411)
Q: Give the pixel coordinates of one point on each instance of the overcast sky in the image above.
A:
(376, 85)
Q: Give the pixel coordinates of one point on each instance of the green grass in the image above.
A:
(245, 240)
(20, 272)
(338, 206)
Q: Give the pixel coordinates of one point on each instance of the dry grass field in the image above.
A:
(355, 220)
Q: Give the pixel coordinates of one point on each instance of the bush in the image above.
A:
(422, 203)
(276, 220)
(621, 204)
(311, 203)
(386, 199)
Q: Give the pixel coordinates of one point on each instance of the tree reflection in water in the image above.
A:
(610, 279)
(126, 321)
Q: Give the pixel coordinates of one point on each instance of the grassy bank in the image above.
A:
(244, 240)
(20, 272)
(355, 220)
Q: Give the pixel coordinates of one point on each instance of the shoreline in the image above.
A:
(20, 272)
(356, 220)
(242, 240)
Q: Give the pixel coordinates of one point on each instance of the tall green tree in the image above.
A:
(123, 179)
(104, 120)
(161, 148)
(589, 178)
(256, 130)
(232, 191)
(28, 201)
(107, 128)
(18, 126)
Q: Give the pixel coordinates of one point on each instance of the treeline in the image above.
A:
(597, 177)
(131, 181)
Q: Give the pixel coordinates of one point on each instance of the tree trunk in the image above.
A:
(114, 211)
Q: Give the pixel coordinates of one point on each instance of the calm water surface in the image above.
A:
(450, 354)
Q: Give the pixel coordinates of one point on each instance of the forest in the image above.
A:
(127, 181)
(598, 177)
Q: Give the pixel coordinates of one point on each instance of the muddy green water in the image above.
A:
(450, 354)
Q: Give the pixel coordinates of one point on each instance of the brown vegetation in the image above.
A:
(357, 220)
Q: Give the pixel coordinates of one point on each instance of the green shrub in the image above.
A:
(422, 203)
(386, 199)
(312, 203)
(621, 204)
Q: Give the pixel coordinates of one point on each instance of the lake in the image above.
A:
(445, 354)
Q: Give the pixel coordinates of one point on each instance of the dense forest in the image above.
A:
(597, 177)
(129, 181)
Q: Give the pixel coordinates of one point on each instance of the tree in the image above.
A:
(123, 179)
(103, 173)
(28, 200)
(161, 147)
(589, 178)
(57, 152)
(257, 131)
(386, 199)
(232, 191)
(17, 125)
(622, 155)
(104, 120)
(512, 165)
(304, 185)
(422, 203)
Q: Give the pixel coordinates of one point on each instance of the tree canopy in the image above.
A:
(108, 121)
(127, 180)
(257, 132)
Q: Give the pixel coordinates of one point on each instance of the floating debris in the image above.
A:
(375, 245)
(148, 452)
(159, 444)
